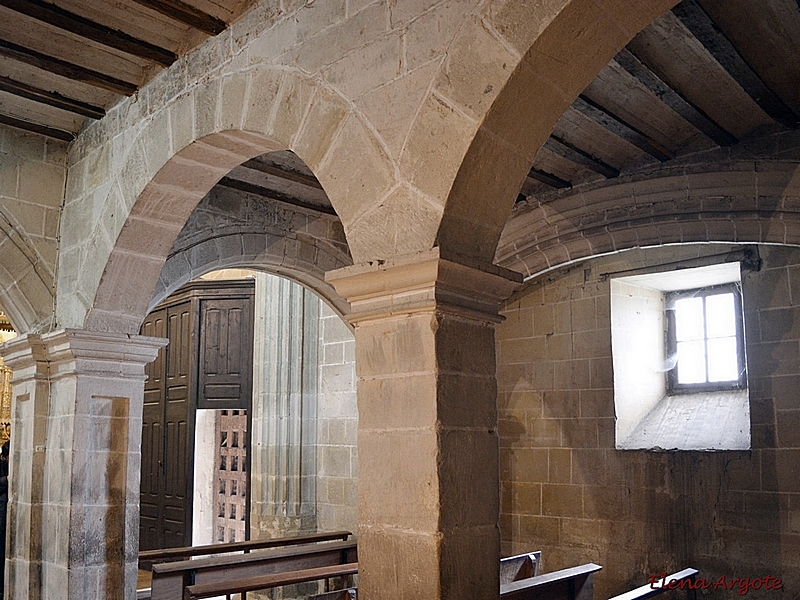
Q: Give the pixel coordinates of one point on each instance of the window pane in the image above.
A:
(720, 316)
(691, 362)
(722, 360)
(689, 319)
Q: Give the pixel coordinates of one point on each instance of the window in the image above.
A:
(678, 353)
(704, 339)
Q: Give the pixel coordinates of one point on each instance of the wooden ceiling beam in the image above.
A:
(58, 134)
(276, 172)
(702, 27)
(579, 157)
(51, 98)
(186, 14)
(65, 69)
(620, 128)
(252, 188)
(83, 27)
(546, 178)
(664, 92)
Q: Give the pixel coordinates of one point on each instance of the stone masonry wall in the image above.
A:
(337, 423)
(32, 175)
(568, 492)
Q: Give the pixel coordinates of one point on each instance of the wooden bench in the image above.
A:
(659, 587)
(170, 578)
(574, 583)
(265, 582)
(147, 558)
(522, 566)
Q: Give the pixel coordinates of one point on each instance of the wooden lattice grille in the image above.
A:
(231, 461)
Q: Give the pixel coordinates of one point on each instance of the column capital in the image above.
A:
(23, 352)
(423, 282)
(116, 354)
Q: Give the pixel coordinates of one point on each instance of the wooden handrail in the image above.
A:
(169, 554)
(209, 590)
(659, 587)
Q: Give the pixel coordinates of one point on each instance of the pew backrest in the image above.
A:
(266, 582)
(575, 583)
(522, 566)
(151, 557)
(662, 585)
(170, 578)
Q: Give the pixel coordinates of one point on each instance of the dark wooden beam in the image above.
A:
(691, 113)
(290, 175)
(51, 98)
(252, 188)
(81, 26)
(36, 128)
(700, 24)
(548, 179)
(579, 157)
(65, 69)
(186, 14)
(620, 128)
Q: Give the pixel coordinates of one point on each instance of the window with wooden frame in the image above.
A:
(705, 342)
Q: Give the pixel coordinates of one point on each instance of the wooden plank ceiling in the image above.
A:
(65, 61)
(708, 73)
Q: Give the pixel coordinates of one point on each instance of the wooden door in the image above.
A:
(152, 438)
(226, 353)
(178, 445)
(165, 498)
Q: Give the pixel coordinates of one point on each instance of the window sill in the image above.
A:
(707, 421)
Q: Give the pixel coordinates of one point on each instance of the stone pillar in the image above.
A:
(283, 476)
(75, 464)
(427, 426)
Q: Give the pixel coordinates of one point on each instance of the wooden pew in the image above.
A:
(651, 591)
(574, 583)
(151, 557)
(170, 578)
(265, 582)
(522, 566)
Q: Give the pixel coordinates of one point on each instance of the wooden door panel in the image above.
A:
(226, 358)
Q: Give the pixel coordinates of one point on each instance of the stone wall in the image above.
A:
(32, 175)
(568, 492)
(337, 421)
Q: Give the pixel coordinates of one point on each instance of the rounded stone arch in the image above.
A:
(300, 259)
(176, 159)
(744, 201)
(26, 286)
(551, 54)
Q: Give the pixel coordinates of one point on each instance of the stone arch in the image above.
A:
(177, 157)
(26, 284)
(745, 201)
(299, 258)
(527, 105)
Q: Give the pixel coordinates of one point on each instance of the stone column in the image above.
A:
(283, 476)
(75, 464)
(427, 426)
